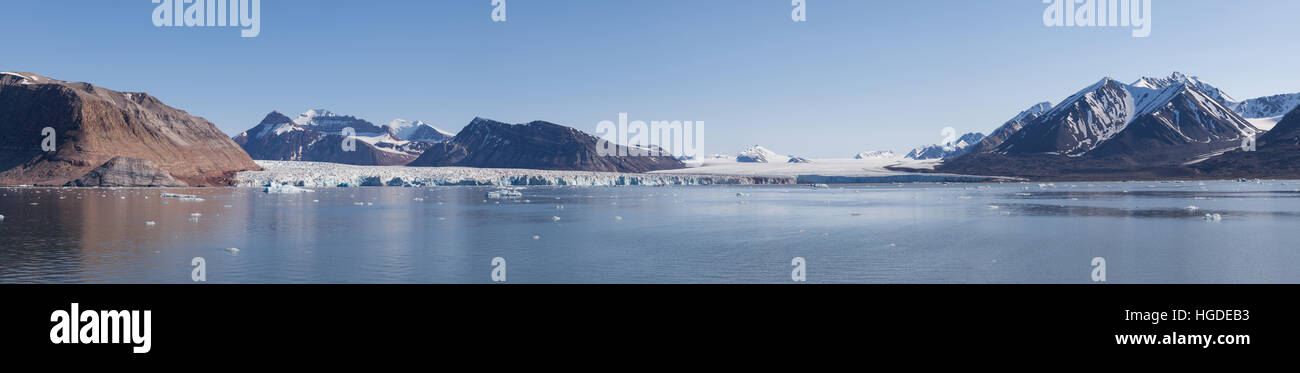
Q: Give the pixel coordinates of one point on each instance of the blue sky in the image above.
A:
(858, 75)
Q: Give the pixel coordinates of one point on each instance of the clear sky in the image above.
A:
(858, 75)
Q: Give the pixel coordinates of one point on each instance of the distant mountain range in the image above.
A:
(317, 135)
(945, 151)
(106, 138)
(537, 145)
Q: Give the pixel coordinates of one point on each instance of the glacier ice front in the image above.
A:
(325, 175)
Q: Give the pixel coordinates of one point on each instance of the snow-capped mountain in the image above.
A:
(876, 154)
(759, 154)
(417, 131)
(1003, 132)
(537, 145)
(1262, 112)
(1266, 112)
(945, 151)
(1180, 78)
(1153, 119)
(318, 135)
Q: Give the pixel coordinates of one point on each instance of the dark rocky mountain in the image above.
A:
(94, 125)
(1153, 128)
(1287, 132)
(1168, 124)
(993, 140)
(317, 136)
(538, 145)
(126, 172)
(1277, 155)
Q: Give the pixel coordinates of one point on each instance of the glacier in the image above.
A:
(324, 175)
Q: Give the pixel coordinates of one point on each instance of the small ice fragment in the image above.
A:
(618, 218)
(418, 199)
(150, 223)
(1191, 208)
(196, 214)
(232, 250)
(537, 237)
(555, 218)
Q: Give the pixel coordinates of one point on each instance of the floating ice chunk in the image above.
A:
(2, 217)
(618, 218)
(821, 186)
(995, 207)
(178, 196)
(742, 195)
(555, 218)
(537, 237)
(1213, 217)
(1191, 208)
(150, 223)
(358, 203)
(196, 214)
(418, 199)
(503, 193)
(277, 188)
(232, 250)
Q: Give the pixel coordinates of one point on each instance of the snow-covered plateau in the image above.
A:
(828, 171)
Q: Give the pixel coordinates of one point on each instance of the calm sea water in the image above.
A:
(1004, 233)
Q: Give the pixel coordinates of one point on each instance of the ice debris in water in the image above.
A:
(277, 188)
(555, 218)
(1213, 217)
(1191, 208)
(232, 250)
(504, 193)
(150, 223)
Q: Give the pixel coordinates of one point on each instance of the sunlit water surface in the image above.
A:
(924, 233)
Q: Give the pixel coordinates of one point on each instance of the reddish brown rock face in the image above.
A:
(93, 125)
